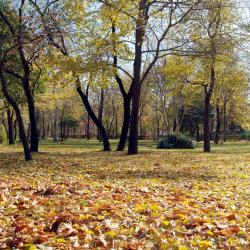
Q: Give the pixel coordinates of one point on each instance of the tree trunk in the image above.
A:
(61, 129)
(133, 137)
(197, 133)
(15, 129)
(32, 116)
(4, 124)
(55, 135)
(48, 130)
(105, 139)
(44, 128)
(136, 88)
(64, 129)
(10, 127)
(27, 153)
(218, 125)
(211, 129)
(100, 113)
(208, 94)
(88, 128)
(61, 126)
(38, 125)
(224, 123)
(174, 125)
(206, 128)
(116, 125)
(125, 125)
(28, 133)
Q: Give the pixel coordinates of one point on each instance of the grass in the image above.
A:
(82, 144)
(74, 196)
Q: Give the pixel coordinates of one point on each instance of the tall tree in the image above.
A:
(27, 44)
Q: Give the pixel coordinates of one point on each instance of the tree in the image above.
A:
(10, 59)
(27, 42)
(214, 43)
(74, 69)
(149, 42)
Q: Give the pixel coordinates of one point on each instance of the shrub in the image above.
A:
(176, 141)
(245, 135)
(3, 135)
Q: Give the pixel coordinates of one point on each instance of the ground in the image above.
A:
(73, 196)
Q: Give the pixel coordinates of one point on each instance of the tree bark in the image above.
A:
(15, 129)
(100, 113)
(116, 125)
(197, 133)
(125, 125)
(62, 125)
(218, 125)
(19, 38)
(224, 122)
(206, 125)
(105, 140)
(88, 128)
(4, 124)
(55, 134)
(32, 116)
(211, 129)
(10, 127)
(136, 88)
(44, 127)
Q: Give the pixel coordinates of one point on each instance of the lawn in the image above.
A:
(74, 196)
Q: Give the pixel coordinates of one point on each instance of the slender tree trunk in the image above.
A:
(61, 129)
(61, 126)
(224, 122)
(4, 124)
(48, 130)
(116, 125)
(218, 125)
(136, 91)
(64, 128)
(32, 116)
(44, 127)
(55, 135)
(27, 153)
(105, 139)
(100, 113)
(10, 127)
(197, 132)
(38, 116)
(175, 124)
(125, 125)
(136, 88)
(133, 137)
(28, 133)
(15, 129)
(211, 129)
(88, 128)
(208, 94)
(206, 125)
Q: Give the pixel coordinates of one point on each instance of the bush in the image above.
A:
(245, 135)
(176, 141)
(3, 135)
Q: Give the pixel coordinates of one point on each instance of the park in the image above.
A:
(124, 124)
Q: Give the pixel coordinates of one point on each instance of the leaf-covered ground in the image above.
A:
(75, 198)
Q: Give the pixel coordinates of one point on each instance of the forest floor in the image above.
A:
(73, 196)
